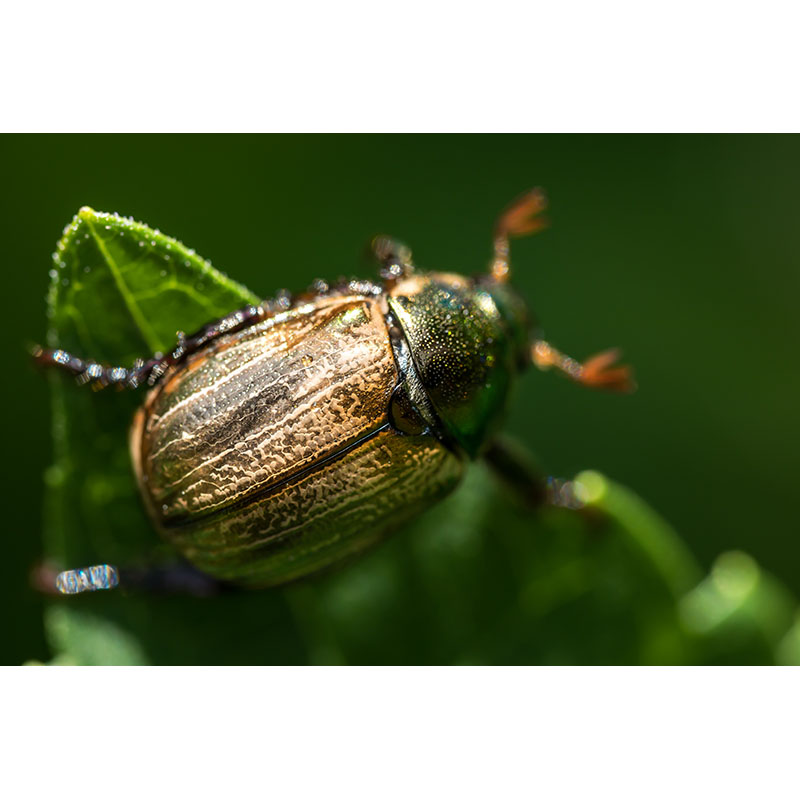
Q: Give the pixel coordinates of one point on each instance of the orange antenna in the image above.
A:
(521, 218)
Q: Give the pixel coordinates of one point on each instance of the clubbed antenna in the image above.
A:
(521, 218)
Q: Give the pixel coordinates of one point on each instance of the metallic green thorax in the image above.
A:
(467, 340)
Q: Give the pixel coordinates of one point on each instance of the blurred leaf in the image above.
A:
(82, 638)
(645, 529)
(788, 651)
(739, 613)
(478, 579)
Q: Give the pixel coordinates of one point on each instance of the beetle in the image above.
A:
(290, 436)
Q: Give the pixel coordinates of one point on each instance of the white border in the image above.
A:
(620, 65)
(432, 66)
(400, 733)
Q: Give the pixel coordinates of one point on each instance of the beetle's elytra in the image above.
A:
(292, 435)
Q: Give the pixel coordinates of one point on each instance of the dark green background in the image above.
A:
(684, 250)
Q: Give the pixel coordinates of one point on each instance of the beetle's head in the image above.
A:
(468, 337)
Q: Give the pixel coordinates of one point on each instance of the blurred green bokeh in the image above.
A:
(681, 249)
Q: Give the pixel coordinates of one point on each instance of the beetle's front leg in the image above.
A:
(518, 471)
(598, 372)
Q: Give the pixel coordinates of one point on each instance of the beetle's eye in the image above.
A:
(402, 414)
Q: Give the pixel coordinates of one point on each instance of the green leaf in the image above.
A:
(83, 638)
(478, 579)
(788, 652)
(739, 613)
(121, 290)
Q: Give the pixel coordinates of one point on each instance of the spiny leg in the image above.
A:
(521, 218)
(597, 372)
(94, 373)
(231, 323)
(89, 371)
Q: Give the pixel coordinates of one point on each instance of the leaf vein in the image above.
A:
(139, 319)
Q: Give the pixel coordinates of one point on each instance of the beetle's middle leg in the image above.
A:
(518, 471)
(393, 256)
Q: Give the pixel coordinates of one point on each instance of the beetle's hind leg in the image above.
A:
(188, 345)
(179, 578)
(98, 375)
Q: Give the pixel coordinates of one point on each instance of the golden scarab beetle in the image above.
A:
(292, 435)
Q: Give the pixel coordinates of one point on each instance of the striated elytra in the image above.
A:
(292, 435)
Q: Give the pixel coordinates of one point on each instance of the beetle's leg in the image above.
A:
(92, 372)
(518, 471)
(597, 372)
(394, 258)
(521, 218)
(179, 578)
(231, 323)
(148, 372)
